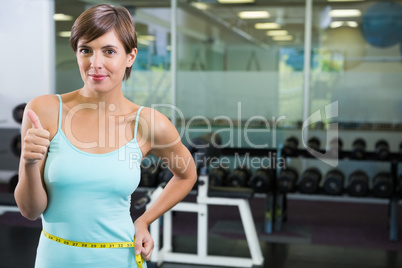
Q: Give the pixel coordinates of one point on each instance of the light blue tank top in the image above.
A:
(89, 198)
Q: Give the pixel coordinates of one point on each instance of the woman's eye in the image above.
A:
(84, 50)
(110, 51)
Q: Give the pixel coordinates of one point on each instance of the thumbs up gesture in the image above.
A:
(36, 141)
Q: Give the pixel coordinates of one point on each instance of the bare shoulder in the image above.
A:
(160, 128)
(46, 107)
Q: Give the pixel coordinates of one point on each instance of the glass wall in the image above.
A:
(241, 66)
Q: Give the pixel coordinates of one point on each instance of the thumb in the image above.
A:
(138, 245)
(34, 119)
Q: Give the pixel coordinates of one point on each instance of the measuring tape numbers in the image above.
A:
(138, 258)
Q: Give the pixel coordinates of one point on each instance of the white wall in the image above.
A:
(27, 53)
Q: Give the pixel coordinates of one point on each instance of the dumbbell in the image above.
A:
(149, 176)
(383, 186)
(164, 175)
(261, 181)
(382, 149)
(240, 177)
(287, 180)
(314, 143)
(290, 146)
(12, 183)
(310, 181)
(400, 185)
(217, 176)
(333, 182)
(358, 148)
(358, 184)
(15, 145)
(335, 147)
(18, 112)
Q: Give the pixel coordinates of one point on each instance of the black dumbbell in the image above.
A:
(383, 186)
(314, 143)
(335, 147)
(217, 176)
(164, 175)
(12, 183)
(400, 185)
(333, 182)
(382, 149)
(290, 146)
(358, 149)
(240, 177)
(18, 112)
(358, 184)
(15, 145)
(149, 176)
(310, 181)
(287, 180)
(261, 181)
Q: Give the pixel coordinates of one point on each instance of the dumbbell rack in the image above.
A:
(393, 159)
(270, 212)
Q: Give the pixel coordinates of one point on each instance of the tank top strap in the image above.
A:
(60, 110)
(136, 122)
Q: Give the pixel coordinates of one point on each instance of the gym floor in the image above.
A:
(315, 235)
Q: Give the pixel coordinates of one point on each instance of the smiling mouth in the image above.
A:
(97, 77)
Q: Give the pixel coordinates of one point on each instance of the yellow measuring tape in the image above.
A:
(138, 258)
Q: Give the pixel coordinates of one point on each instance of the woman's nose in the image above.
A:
(96, 60)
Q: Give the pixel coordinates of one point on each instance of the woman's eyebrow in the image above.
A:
(106, 46)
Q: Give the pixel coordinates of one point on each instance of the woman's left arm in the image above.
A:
(164, 143)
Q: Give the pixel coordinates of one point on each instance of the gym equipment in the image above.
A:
(358, 149)
(204, 148)
(12, 183)
(310, 181)
(217, 176)
(287, 180)
(240, 177)
(16, 145)
(149, 176)
(18, 112)
(290, 146)
(333, 182)
(314, 143)
(400, 185)
(383, 185)
(335, 147)
(262, 180)
(164, 175)
(204, 201)
(382, 149)
(382, 24)
(358, 184)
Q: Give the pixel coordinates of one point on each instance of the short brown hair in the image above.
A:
(98, 20)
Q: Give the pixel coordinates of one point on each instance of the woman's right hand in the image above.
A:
(36, 141)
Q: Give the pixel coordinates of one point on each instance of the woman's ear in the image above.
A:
(131, 57)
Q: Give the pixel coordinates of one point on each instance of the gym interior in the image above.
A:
(296, 105)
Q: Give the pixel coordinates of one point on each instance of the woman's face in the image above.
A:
(103, 62)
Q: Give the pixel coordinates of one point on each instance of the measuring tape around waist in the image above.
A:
(138, 258)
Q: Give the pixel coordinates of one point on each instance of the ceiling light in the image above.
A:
(283, 38)
(338, 13)
(253, 14)
(64, 33)
(267, 25)
(277, 33)
(235, 1)
(149, 38)
(201, 6)
(345, 0)
(62, 17)
(336, 24)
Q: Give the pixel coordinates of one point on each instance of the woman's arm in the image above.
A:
(30, 193)
(166, 144)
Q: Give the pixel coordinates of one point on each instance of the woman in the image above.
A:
(81, 154)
